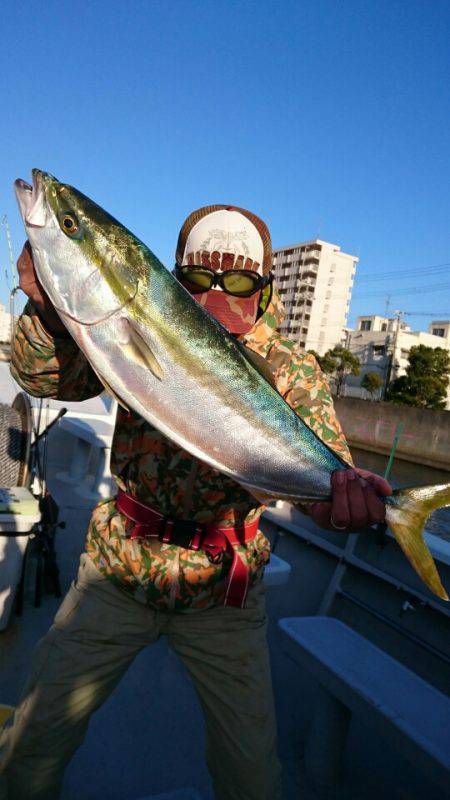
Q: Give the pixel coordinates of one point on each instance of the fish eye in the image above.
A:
(69, 224)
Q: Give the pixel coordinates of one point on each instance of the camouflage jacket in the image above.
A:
(156, 471)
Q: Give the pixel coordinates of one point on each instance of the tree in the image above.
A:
(371, 382)
(338, 363)
(426, 380)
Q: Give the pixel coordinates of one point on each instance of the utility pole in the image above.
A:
(392, 367)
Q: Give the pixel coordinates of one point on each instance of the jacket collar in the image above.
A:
(261, 335)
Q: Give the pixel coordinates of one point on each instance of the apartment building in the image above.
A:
(315, 281)
(382, 345)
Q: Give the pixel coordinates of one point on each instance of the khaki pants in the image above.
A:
(96, 634)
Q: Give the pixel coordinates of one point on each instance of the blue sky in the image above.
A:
(326, 118)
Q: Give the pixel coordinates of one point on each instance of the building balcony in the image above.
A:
(309, 273)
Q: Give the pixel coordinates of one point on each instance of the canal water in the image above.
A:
(406, 473)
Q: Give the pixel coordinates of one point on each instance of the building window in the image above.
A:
(438, 331)
(384, 326)
(365, 325)
(379, 350)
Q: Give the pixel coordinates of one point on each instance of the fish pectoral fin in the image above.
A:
(406, 514)
(260, 364)
(138, 350)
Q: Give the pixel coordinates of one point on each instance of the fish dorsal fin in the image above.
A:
(138, 350)
(260, 364)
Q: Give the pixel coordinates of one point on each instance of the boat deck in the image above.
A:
(140, 743)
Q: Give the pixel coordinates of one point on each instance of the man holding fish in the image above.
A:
(178, 551)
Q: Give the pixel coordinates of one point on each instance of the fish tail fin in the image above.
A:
(406, 514)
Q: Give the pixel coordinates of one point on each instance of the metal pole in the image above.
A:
(12, 324)
(10, 250)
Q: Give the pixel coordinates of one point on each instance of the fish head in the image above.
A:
(84, 258)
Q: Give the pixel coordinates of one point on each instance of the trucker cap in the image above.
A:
(225, 237)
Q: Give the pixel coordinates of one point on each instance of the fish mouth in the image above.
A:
(32, 200)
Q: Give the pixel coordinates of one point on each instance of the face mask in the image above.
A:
(236, 314)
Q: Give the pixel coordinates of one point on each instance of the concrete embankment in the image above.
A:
(425, 438)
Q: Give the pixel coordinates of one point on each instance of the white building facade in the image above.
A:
(315, 281)
(382, 345)
(5, 325)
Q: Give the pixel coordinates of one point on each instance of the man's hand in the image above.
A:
(29, 283)
(356, 501)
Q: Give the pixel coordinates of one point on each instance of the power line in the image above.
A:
(435, 287)
(429, 269)
(427, 313)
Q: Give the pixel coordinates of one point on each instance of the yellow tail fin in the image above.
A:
(5, 713)
(406, 513)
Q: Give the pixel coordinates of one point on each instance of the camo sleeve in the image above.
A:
(48, 366)
(304, 386)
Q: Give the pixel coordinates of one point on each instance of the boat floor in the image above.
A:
(141, 743)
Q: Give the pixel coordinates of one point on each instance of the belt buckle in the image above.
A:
(215, 557)
(197, 537)
(167, 531)
(183, 533)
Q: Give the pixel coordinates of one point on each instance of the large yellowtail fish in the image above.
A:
(164, 356)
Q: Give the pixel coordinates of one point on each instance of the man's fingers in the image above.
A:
(381, 486)
(357, 501)
(26, 254)
(376, 508)
(25, 267)
(340, 512)
(320, 513)
(359, 515)
(28, 279)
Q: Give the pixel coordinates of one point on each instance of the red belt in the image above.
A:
(213, 540)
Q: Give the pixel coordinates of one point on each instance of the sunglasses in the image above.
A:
(238, 282)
